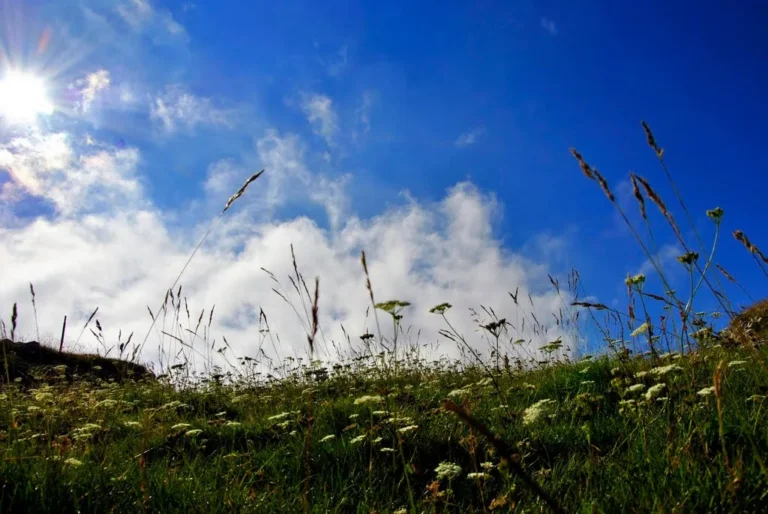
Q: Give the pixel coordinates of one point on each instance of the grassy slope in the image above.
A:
(596, 454)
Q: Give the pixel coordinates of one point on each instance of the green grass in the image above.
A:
(94, 446)
(669, 416)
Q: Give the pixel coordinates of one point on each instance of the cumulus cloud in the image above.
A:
(123, 256)
(469, 138)
(549, 26)
(320, 113)
(176, 108)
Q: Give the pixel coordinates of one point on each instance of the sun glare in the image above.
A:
(23, 97)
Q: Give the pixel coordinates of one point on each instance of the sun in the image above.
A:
(23, 97)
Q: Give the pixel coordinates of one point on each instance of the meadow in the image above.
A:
(668, 415)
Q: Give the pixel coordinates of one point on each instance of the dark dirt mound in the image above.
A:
(749, 327)
(33, 362)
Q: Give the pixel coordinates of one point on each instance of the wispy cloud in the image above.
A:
(176, 108)
(665, 258)
(469, 138)
(549, 26)
(90, 87)
(321, 115)
(364, 111)
(140, 15)
(337, 62)
(291, 180)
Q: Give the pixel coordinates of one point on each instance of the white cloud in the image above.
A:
(469, 138)
(320, 113)
(364, 111)
(49, 166)
(337, 64)
(90, 87)
(420, 253)
(176, 108)
(549, 26)
(120, 254)
(666, 259)
(290, 179)
(140, 15)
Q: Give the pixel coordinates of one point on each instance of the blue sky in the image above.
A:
(362, 110)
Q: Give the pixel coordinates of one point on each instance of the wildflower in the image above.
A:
(353, 416)
(640, 330)
(387, 450)
(447, 470)
(537, 411)
(178, 426)
(364, 400)
(378, 440)
(654, 391)
(482, 476)
(232, 424)
(43, 397)
(641, 374)
(193, 432)
(733, 364)
(637, 280)
(663, 370)
(487, 465)
(636, 388)
(688, 258)
(106, 403)
(358, 439)
(663, 399)
(380, 413)
(132, 424)
(459, 392)
(587, 382)
(278, 417)
(327, 438)
(73, 462)
(484, 382)
(715, 214)
(706, 391)
(409, 428)
(401, 511)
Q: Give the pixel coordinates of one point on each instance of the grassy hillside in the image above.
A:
(685, 434)
(669, 417)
